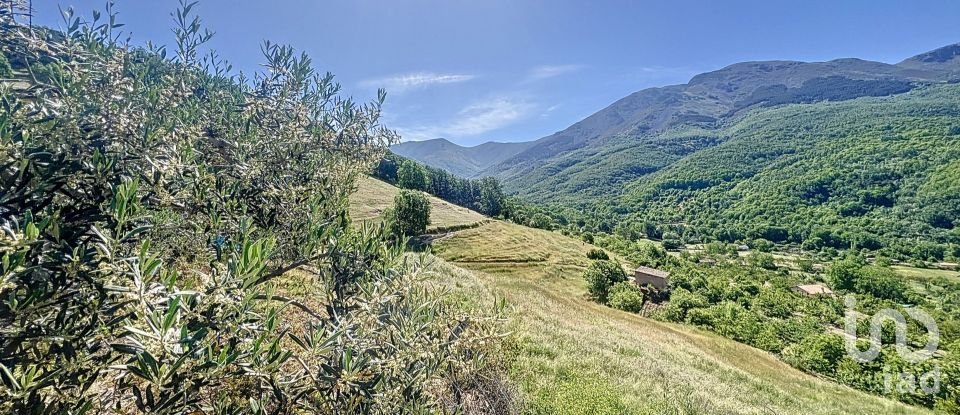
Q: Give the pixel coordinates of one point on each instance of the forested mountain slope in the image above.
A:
(865, 173)
(716, 95)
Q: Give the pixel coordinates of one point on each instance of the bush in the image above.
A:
(626, 296)
(151, 207)
(540, 221)
(6, 70)
(600, 276)
(762, 245)
(762, 260)
(671, 241)
(598, 254)
(410, 213)
(819, 353)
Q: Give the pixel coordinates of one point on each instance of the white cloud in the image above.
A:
(401, 83)
(475, 119)
(540, 73)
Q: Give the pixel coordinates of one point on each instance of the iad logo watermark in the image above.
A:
(905, 383)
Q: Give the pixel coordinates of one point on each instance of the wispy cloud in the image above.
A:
(401, 83)
(474, 119)
(540, 73)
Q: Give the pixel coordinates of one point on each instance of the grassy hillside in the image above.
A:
(375, 196)
(574, 356)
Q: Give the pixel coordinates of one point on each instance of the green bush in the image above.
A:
(762, 260)
(818, 353)
(6, 70)
(598, 254)
(600, 276)
(625, 296)
(410, 213)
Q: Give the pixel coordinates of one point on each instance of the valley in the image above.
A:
(179, 235)
(573, 356)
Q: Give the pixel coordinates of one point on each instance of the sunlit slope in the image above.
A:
(577, 357)
(374, 196)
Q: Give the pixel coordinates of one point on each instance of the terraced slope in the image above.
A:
(577, 357)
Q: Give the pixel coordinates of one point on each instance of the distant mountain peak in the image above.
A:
(939, 55)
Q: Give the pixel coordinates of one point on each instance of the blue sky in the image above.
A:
(516, 70)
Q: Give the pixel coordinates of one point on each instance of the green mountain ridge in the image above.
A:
(834, 154)
(717, 95)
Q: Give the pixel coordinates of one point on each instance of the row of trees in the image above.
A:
(483, 195)
(154, 205)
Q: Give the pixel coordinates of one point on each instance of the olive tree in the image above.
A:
(152, 206)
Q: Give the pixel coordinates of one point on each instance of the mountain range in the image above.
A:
(462, 161)
(706, 100)
(838, 154)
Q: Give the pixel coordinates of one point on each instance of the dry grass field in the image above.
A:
(578, 357)
(375, 196)
(573, 356)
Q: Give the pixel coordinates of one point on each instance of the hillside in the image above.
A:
(578, 357)
(461, 161)
(374, 196)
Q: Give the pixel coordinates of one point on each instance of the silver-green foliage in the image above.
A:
(149, 203)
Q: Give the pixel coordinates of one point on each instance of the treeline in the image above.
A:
(483, 195)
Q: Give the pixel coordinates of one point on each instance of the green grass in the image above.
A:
(921, 273)
(374, 196)
(577, 357)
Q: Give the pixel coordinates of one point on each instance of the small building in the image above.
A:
(653, 277)
(813, 290)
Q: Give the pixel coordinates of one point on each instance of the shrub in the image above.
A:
(600, 276)
(410, 213)
(598, 254)
(882, 283)
(762, 260)
(671, 241)
(6, 70)
(151, 207)
(762, 245)
(540, 221)
(818, 353)
(626, 296)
